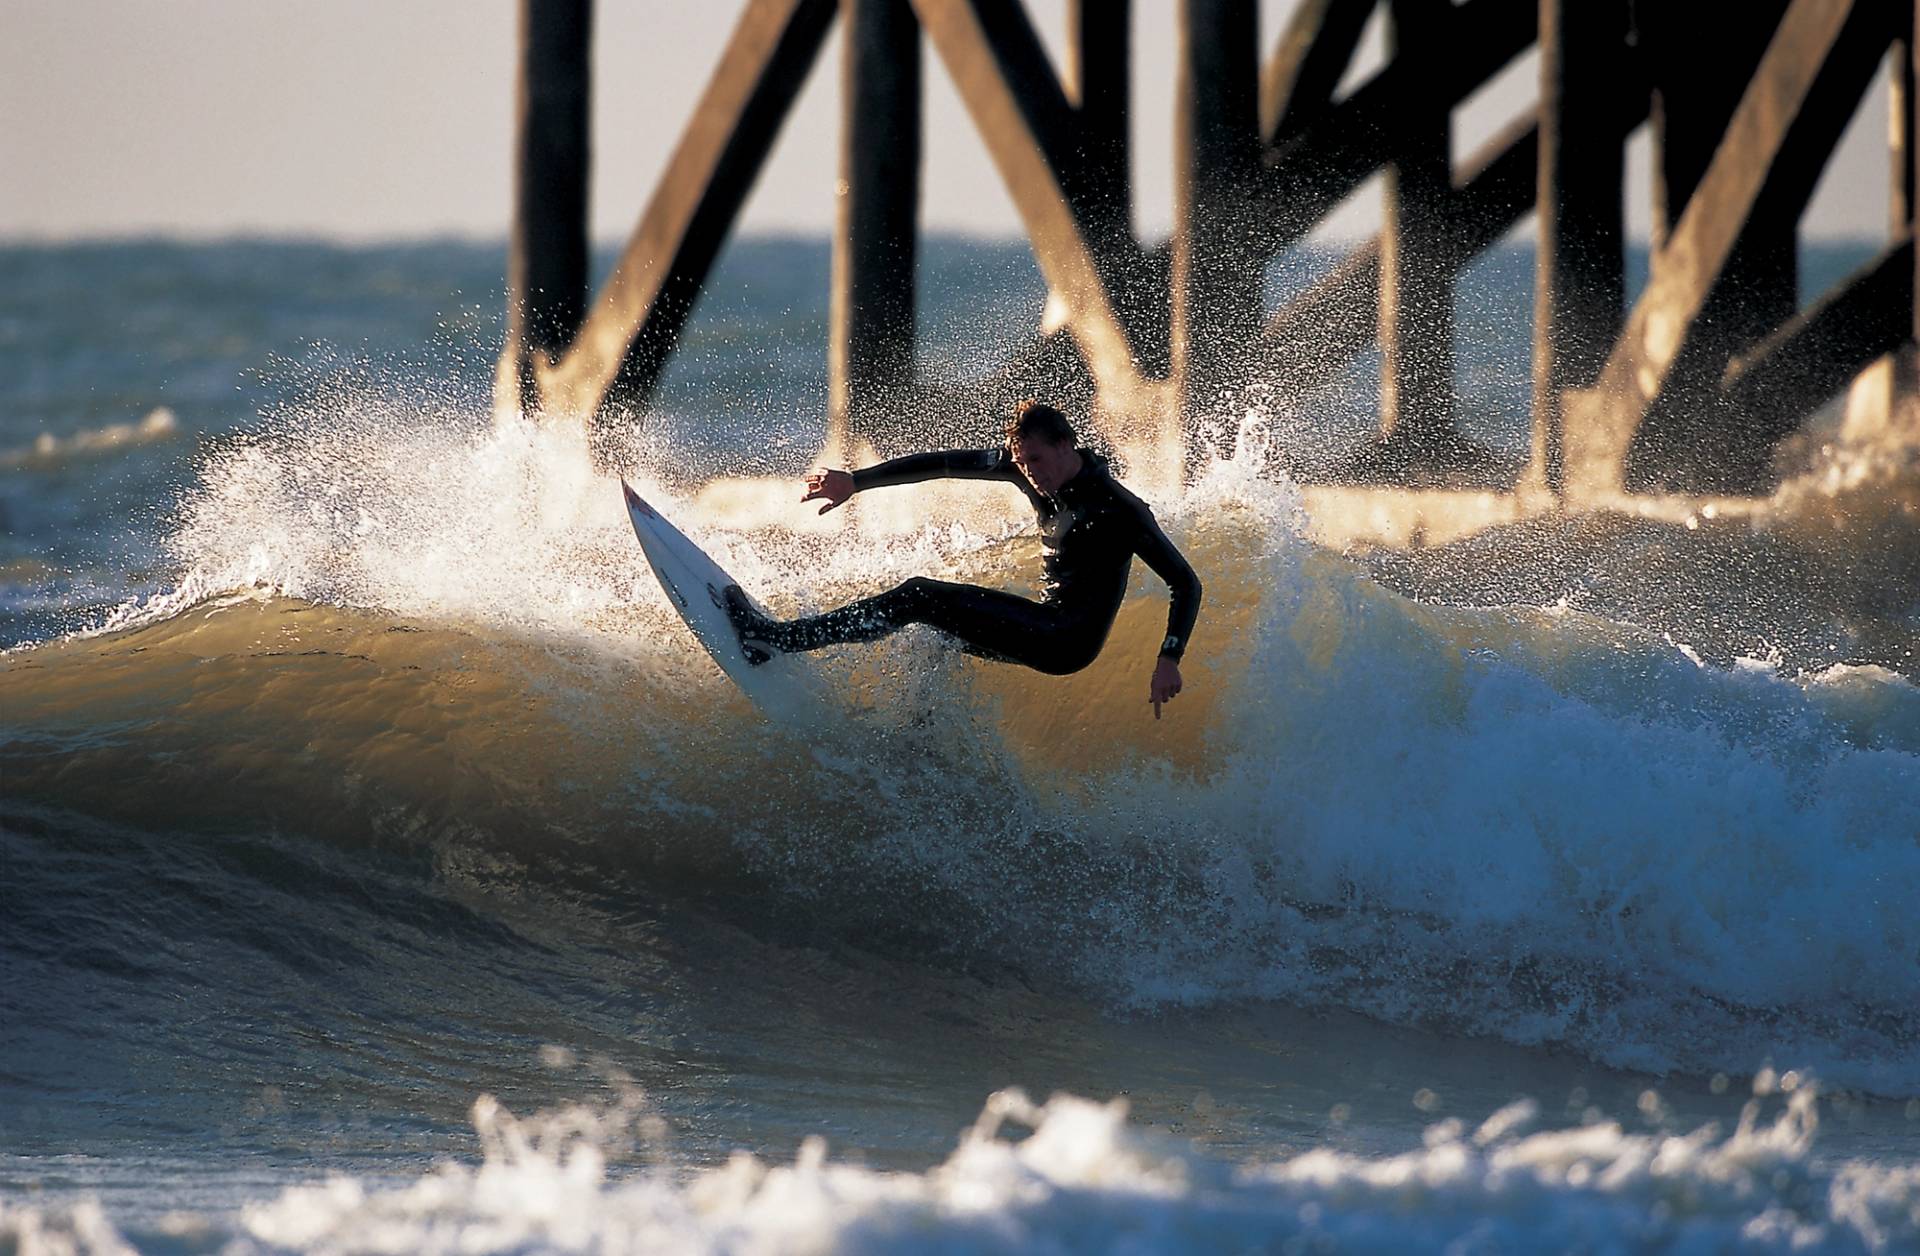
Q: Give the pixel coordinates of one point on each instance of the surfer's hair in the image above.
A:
(1038, 419)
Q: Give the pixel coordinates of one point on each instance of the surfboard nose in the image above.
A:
(634, 501)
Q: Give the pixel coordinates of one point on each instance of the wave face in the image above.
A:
(406, 633)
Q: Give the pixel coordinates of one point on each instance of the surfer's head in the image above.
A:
(1038, 419)
(1042, 443)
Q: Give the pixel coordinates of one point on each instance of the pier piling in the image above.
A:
(1416, 265)
(547, 244)
(1580, 275)
(870, 347)
(1217, 269)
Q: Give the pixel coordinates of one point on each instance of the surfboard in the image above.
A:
(784, 687)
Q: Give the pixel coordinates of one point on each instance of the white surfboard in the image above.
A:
(784, 687)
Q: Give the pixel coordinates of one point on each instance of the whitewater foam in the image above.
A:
(1072, 1174)
(159, 424)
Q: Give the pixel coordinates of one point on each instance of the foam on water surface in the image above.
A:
(1076, 1175)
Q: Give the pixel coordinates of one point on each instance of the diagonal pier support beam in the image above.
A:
(1033, 134)
(1694, 98)
(620, 351)
(1792, 95)
(1815, 354)
(1332, 155)
(1691, 439)
(1313, 52)
(1308, 341)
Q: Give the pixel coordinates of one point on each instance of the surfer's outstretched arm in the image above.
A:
(834, 487)
(1171, 566)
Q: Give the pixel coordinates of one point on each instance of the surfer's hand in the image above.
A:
(1166, 683)
(833, 486)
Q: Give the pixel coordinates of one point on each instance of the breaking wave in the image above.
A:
(1524, 822)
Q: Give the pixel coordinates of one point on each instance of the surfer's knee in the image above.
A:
(1069, 649)
(916, 593)
(1065, 664)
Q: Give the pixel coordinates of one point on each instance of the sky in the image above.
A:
(379, 119)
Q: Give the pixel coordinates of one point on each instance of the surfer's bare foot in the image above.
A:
(749, 623)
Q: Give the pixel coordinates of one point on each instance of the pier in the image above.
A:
(1662, 405)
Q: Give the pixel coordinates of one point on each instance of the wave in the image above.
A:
(1075, 1174)
(160, 424)
(1522, 822)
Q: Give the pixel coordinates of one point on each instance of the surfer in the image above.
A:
(1090, 529)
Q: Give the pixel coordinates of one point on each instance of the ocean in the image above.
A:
(384, 869)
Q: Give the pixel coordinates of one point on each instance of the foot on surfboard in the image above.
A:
(749, 623)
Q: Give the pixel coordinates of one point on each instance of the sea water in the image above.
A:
(382, 868)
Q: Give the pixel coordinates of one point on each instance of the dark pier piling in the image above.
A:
(547, 250)
(876, 235)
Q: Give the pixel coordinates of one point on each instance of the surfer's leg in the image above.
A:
(1006, 628)
(869, 619)
(987, 622)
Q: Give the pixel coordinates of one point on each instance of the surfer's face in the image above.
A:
(1046, 464)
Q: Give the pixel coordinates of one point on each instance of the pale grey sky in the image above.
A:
(384, 118)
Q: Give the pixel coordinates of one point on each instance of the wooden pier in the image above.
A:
(1679, 398)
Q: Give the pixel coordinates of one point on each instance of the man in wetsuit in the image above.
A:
(1090, 529)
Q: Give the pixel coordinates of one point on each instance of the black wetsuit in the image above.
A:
(1089, 533)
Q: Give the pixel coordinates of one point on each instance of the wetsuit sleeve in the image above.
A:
(949, 464)
(1167, 562)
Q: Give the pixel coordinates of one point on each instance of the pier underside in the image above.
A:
(1696, 393)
